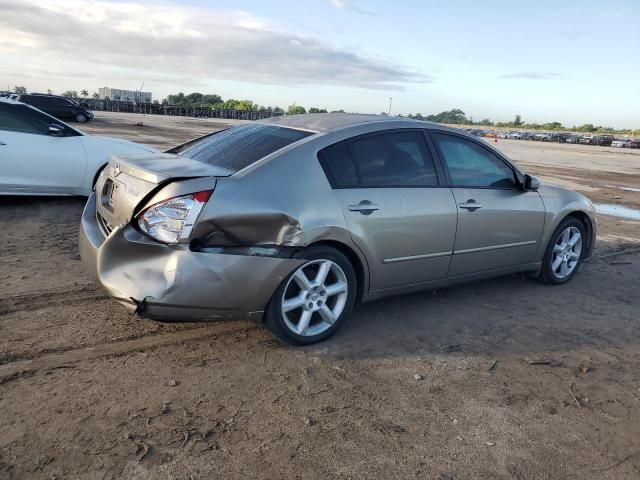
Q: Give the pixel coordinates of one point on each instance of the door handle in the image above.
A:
(2, 143)
(470, 205)
(365, 207)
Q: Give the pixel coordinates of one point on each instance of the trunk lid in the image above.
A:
(128, 180)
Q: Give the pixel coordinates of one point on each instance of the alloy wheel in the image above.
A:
(566, 252)
(314, 297)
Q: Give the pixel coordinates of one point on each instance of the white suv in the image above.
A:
(40, 155)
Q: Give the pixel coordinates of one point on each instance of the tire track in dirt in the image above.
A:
(62, 359)
(49, 298)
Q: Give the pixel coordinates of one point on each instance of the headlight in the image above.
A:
(172, 220)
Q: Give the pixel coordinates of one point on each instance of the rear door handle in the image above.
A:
(470, 205)
(365, 207)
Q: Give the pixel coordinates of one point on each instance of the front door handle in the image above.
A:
(2, 143)
(365, 207)
(470, 205)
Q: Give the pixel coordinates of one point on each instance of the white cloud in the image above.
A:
(348, 6)
(177, 42)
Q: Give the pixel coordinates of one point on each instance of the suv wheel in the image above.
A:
(315, 299)
(564, 252)
(81, 118)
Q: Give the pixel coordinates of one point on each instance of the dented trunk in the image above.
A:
(128, 181)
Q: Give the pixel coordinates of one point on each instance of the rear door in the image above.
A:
(31, 161)
(398, 212)
(499, 224)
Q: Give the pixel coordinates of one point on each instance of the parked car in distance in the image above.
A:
(621, 143)
(542, 137)
(528, 136)
(295, 219)
(515, 135)
(56, 106)
(490, 134)
(596, 139)
(560, 137)
(572, 139)
(41, 155)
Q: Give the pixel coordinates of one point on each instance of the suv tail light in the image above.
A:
(172, 220)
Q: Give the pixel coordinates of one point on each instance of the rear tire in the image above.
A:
(315, 299)
(566, 249)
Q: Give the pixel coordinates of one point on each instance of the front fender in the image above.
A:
(560, 206)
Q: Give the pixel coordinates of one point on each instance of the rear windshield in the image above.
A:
(239, 147)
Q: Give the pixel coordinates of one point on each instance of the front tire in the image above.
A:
(315, 299)
(565, 252)
(81, 118)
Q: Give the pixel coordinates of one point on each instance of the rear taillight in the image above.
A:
(171, 221)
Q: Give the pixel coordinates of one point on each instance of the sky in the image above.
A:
(574, 61)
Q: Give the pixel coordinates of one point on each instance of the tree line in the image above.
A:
(458, 117)
(454, 116)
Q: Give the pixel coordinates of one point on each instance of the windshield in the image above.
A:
(239, 147)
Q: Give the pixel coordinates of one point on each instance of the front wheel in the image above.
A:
(81, 118)
(564, 252)
(315, 299)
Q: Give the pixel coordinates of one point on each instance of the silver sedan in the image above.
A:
(294, 220)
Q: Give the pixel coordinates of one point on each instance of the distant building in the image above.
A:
(124, 95)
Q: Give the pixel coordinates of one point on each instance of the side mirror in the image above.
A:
(55, 130)
(531, 183)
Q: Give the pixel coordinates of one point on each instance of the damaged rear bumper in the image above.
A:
(172, 282)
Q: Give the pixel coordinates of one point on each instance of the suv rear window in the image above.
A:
(239, 147)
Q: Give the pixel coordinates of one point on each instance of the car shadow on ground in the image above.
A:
(512, 315)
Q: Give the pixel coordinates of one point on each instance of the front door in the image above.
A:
(499, 224)
(31, 161)
(398, 213)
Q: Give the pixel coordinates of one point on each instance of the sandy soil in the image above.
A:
(517, 380)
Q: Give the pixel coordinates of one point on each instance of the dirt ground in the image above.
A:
(502, 379)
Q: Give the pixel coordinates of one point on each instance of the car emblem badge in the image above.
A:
(116, 170)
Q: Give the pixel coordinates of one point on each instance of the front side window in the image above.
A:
(23, 119)
(239, 147)
(471, 165)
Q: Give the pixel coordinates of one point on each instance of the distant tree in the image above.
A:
(176, 99)
(70, 94)
(194, 98)
(49, 91)
(211, 99)
(277, 110)
(95, 95)
(19, 89)
(383, 113)
(317, 110)
(295, 109)
(587, 127)
(518, 121)
(454, 116)
(486, 122)
(84, 93)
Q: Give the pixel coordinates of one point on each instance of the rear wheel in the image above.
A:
(564, 252)
(315, 299)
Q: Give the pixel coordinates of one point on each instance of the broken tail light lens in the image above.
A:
(172, 220)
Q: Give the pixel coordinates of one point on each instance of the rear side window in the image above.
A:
(338, 166)
(239, 147)
(394, 159)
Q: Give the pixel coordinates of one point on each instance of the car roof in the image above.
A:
(322, 122)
